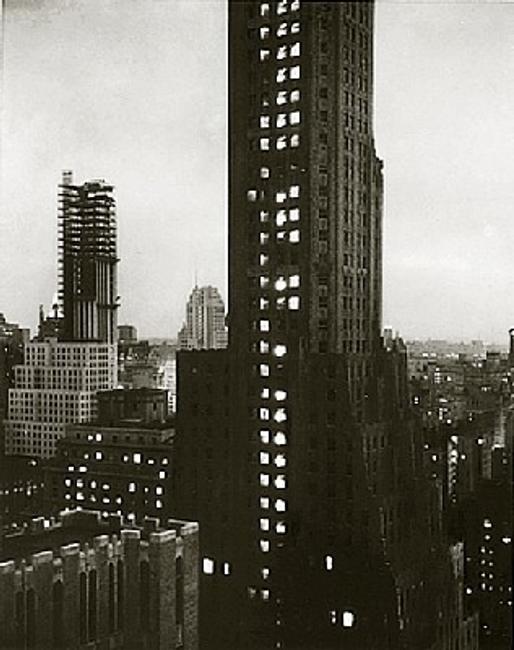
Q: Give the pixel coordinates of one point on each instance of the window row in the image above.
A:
(283, 52)
(279, 481)
(281, 143)
(281, 216)
(281, 7)
(282, 30)
(265, 458)
(282, 120)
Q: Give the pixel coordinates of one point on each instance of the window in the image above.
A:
(329, 562)
(280, 460)
(264, 436)
(294, 214)
(263, 260)
(208, 566)
(264, 503)
(264, 545)
(282, 52)
(282, 30)
(264, 524)
(281, 283)
(264, 9)
(264, 458)
(280, 505)
(294, 96)
(264, 216)
(280, 482)
(294, 281)
(294, 118)
(263, 347)
(281, 75)
(294, 236)
(294, 72)
(264, 370)
(281, 218)
(280, 197)
(132, 487)
(295, 49)
(264, 121)
(279, 350)
(280, 395)
(264, 325)
(281, 120)
(295, 140)
(264, 55)
(264, 32)
(295, 28)
(251, 195)
(280, 415)
(294, 191)
(294, 303)
(264, 480)
(281, 97)
(264, 144)
(281, 142)
(264, 414)
(347, 619)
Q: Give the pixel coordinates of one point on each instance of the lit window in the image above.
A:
(162, 474)
(264, 458)
(294, 236)
(264, 121)
(294, 214)
(132, 487)
(67, 482)
(208, 566)
(280, 460)
(280, 415)
(280, 482)
(282, 52)
(263, 259)
(80, 496)
(294, 191)
(333, 617)
(294, 117)
(506, 540)
(226, 569)
(294, 72)
(265, 573)
(329, 562)
(294, 96)
(265, 594)
(279, 438)
(281, 97)
(347, 619)
(98, 455)
(98, 437)
(265, 393)
(158, 504)
(295, 140)
(264, 545)
(263, 281)
(282, 30)
(264, 436)
(295, 49)
(280, 528)
(280, 395)
(264, 480)
(264, 9)
(264, 55)
(264, 144)
(251, 195)
(487, 523)
(294, 303)
(158, 490)
(294, 281)
(280, 505)
(263, 302)
(265, 172)
(280, 197)
(281, 217)
(279, 350)
(281, 7)
(281, 75)
(264, 414)
(295, 28)
(281, 284)
(263, 347)
(264, 32)
(264, 503)
(264, 370)
(281, 120)
(264, 325)
(264, 524)
(281, 143)
(136, 458)
(295, 5)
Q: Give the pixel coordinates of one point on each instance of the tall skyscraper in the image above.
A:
(87, 260)
(57, 383)
(295, 450)
(204, 328)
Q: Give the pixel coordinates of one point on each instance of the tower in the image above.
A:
(87, 260)
(204, 328)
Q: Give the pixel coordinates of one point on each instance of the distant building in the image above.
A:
(21, 485)
(121, 463)
(12, 340)
(100, 582)
(87, 260)
(127, 334)
(55, 386)
(204, 328)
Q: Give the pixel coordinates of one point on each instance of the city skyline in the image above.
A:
(462, 277)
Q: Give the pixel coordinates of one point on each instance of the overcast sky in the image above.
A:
(134, 91)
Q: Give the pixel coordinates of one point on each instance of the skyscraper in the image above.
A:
(204, 328)
(59, 378)
(295, 448)
(87, 260)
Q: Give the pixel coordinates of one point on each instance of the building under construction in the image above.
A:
(87, 260)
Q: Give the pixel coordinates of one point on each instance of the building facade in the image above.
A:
(55, 386)
(90, 582)
(121, 463)
(204, 328)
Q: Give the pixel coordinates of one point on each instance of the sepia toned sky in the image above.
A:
(134, 91)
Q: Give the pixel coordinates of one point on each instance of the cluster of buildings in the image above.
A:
(310, 482)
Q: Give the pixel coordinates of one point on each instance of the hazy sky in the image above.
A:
(134, 91)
